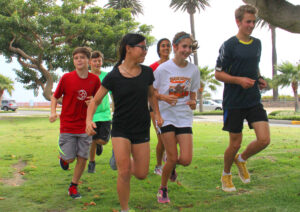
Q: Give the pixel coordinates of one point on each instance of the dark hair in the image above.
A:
(82, 50)
(130, 39)
(96, 54)
(159, 42)
(181, 35)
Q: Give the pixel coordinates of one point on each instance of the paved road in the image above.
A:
(207, 118)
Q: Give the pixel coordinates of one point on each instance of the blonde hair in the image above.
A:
(239, 12)
(181, 35)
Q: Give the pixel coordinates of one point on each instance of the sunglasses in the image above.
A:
(144, 48)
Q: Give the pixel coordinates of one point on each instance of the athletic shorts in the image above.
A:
(73, 145)
(234, 118)
(134, 138)
(177, 130)
(102, 131)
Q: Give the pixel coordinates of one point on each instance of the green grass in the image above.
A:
(275, 174)
(284, 115)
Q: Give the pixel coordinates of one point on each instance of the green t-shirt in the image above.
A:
(103, 110)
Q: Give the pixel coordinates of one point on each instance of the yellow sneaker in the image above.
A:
(243, 171)
(227, 184)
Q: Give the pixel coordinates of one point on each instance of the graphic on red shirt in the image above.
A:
(82, 95)
(179, 86)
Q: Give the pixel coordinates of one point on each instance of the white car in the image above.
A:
(209, 105)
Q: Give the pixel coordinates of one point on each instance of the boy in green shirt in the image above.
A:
(102, 116)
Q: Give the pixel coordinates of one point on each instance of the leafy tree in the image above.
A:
(279, 13)
(263, 23)
(135, 5)
(5, 84)
(190, 6)
(207, 83)
(290, 75)
(41, 35)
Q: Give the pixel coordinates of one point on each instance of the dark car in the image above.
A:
(9, 105)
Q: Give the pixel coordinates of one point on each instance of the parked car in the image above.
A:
(8, 105)
(219, 101)
(209, 105)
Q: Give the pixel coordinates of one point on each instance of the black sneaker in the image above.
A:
(99, 149)
(63, 164)
(91, 167)
(73, 192)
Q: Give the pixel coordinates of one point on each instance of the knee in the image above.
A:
(264, 142)
(172, 159)
(124, 174)
(236, 146)
(141, 176)
(100, 141)
(185, 162)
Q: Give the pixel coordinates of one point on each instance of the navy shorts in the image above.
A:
(177, 130)
(102, 131)
(134, 138)
(234, 118)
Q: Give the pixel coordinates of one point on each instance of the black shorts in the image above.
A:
(102, 131)
(134, 138)
(177, 130)
(234, 118)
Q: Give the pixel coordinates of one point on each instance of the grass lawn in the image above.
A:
(275, 181)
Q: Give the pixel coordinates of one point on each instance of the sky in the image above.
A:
(213, 26)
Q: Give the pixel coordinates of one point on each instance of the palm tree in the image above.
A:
(207, 81)
(262, 23)
(190, 6)
(290, 75)
(135, 5)
(5, 84)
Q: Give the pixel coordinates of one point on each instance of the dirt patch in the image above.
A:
(17, 179)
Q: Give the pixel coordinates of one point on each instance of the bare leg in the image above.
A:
(235, 140)
(170, 143)
(186, 149)
(262, 132)
(160, 146)
(122, 150)
(141, 159)
(79, 169)
(93, 151)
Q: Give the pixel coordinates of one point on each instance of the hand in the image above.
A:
(170, 99)
(159, 121)
(89, 99)
(89, 129)
(192, 103)
(246, 82)
(53, 117)
(262, 83)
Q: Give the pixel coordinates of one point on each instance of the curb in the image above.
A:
(276, 121)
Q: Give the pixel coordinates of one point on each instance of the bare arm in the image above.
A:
(154, 104)
(192, 102)
(90, 125)
(53, 114)
(245, 82)
(170, 99)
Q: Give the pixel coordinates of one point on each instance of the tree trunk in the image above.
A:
(274, 61)
(192, 22)
(295, 91)
(279, 13)
(200, 100)
(1, 94)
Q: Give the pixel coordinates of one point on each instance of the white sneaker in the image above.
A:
(158, 170)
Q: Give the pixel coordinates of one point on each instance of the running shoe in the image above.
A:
(174, 175)
(99, 149)
(158, 170)
(63, 164)
(91, 167)
(112, 161)
(73, 192)
(162, 196)
(227, 184)
(243, 171)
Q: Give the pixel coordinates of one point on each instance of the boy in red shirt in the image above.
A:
(75, 87)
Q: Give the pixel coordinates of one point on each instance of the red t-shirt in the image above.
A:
(154, 66)
(75, 92)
